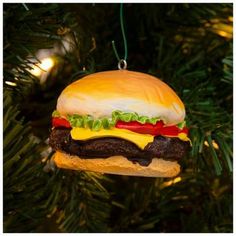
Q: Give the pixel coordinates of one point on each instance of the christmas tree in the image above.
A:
(47, 46)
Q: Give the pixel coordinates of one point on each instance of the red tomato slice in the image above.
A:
(138, 127)
(60, 122)
(170, 130)
(157, 129)
(185, 130)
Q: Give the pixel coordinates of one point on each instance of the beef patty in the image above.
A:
(162, 147)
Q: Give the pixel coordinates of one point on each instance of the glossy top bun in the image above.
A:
(100, 94)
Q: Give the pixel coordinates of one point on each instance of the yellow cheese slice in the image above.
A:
(141, 140)
(181, 136)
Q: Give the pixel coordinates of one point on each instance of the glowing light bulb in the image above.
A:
(230, 18)
(10, 83)
(40, 68)
(214, 144)
(177, 179)
(46, 64)
(36, 71)
(170, 182)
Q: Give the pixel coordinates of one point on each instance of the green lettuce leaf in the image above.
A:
(182, 124)
(56, 114)
(87, 121)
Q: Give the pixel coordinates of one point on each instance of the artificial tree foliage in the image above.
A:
(188, 46)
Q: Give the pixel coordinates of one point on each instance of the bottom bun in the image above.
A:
(118, 165)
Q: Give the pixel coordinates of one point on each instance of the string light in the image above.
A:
(171, 182)
(10, 83)
(230, 18)
(224, 34)
(40, 68)
(214, 144)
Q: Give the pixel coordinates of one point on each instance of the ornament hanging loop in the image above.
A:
(122, 64)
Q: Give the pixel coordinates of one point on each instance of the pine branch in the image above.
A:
(23, 39)
(228, 69)
(78, 201)
(31, 33)
(173, 205)
(21, 171)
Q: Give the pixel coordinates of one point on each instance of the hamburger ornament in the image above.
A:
(120, 122)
